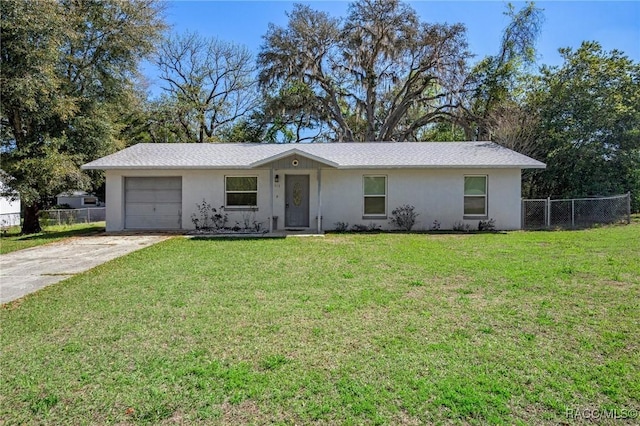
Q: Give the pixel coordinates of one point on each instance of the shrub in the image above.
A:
(435, 226)
(461, 227)
(487, 225)
(219, 220)
(249, 222)
(404, 217)
(341, 226)
(372, 227)
(208, 217)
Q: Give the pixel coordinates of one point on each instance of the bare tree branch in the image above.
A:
(211, 82)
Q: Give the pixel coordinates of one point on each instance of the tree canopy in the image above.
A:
(381, 74)
(589, 124)
(209, 83)
(495, 83)
(68, 71)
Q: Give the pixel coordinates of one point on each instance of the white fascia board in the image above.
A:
(445, 166)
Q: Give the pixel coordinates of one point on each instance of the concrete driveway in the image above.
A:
(26, 271)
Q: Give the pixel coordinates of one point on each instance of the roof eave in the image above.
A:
(336, 166)
(446, 166)
(161, 167)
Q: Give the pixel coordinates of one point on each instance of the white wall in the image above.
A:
(9, 206)
(9, 210)
(196, 186)
(437, 194)
(73, 202)
(209, 185)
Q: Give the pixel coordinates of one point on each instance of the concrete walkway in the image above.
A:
(26, 271)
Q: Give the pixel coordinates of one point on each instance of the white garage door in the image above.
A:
(153, 202)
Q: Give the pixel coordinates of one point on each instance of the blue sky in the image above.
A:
(616, 25)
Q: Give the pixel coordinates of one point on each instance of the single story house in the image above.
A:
(314, 187)
(78, 199)
(9, 204)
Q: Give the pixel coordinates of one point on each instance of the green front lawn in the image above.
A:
(12, 240)
(510, 328)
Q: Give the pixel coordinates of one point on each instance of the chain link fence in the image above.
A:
(575, 213)
(71, 216)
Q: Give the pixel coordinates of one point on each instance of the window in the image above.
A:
(89, 201)
(475, 195)
(241, 191)
(375, 195)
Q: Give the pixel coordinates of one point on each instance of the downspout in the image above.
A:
(319, 200)
(271, 199)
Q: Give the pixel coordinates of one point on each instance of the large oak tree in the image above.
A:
(379, 74)
(68, 71)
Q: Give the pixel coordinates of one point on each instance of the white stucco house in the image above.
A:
(9, 204)
(312, 187)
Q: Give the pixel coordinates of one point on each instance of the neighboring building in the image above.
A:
(78, 199)
(9, 205)
(314, 186)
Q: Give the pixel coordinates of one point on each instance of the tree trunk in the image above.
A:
(31, 223)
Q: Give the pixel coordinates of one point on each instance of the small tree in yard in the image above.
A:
(404, 217)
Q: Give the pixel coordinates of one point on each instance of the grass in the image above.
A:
(512, 328)
(12, 240)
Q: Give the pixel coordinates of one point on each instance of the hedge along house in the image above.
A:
(313, 187)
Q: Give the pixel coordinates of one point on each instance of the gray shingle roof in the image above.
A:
(339, 155)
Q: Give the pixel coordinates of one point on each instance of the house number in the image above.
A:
(297, 194)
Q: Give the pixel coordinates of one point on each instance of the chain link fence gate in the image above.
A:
(576, 212)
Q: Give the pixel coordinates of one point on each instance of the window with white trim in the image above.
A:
(375, 195)
(241, 191)
(475, 195)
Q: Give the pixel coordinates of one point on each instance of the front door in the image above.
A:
(296, 207)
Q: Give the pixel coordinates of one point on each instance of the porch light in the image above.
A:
(277, 179)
